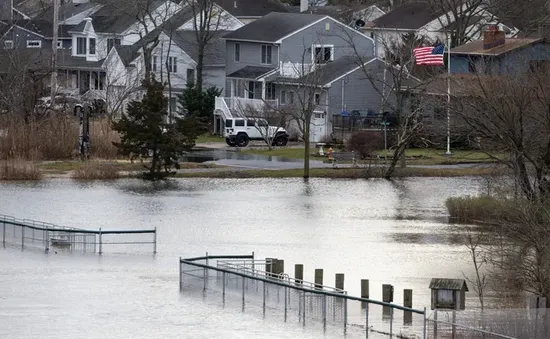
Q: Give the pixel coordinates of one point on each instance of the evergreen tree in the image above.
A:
(144, 130)
(199, 103)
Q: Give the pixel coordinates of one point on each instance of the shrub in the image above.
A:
(365, 143)
(19, 170)
(484, 209)
(102, 137)
(96, 171)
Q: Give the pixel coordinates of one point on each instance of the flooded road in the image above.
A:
(388, 232)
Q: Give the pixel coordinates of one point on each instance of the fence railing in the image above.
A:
(241, 283)
(37, 234)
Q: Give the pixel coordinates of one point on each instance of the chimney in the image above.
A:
(304, 5)
(493, 37)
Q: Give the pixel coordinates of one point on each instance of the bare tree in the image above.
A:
(479, 284)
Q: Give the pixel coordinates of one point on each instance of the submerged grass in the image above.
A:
(19, 170)
(342, 173)
(96, 171)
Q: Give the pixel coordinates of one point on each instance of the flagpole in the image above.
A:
(448, 94)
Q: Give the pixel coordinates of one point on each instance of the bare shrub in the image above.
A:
(365, 143)
(19, 170)
(102, 136)
(96, 171)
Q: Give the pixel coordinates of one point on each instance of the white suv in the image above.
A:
(239, 131)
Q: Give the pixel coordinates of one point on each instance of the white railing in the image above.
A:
(221, 106)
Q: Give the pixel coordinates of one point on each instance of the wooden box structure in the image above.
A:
(448, 294)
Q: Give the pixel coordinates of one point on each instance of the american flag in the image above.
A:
(430, 55)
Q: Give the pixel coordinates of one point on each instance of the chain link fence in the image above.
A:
(25, 233)
(303, 302)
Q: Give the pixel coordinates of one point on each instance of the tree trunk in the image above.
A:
(306, 149)
(398, 153)
(153, 168)
(147, 56)
(200, 65)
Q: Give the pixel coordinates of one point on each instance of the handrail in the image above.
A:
(322, 292)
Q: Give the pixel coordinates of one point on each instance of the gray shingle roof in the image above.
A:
(66, 60)
(273, 27)
(66, 10)
(251, 72)
(251, 8)
(127, 53)
(448, 284)
(412, 15)
(214, 52)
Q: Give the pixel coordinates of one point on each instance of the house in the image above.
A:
(497, 55)
(422, 19)
(249, 10)
(32, 33)
(273, 60)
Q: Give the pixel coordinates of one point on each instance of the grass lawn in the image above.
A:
(345, 173)
(416, 156)
(209, 138)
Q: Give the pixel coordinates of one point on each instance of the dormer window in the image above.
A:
(91, 49)
(80, 46)
(34, 43)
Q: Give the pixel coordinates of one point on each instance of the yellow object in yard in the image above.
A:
(329, 153)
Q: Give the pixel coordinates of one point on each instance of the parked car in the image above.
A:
(239, 132)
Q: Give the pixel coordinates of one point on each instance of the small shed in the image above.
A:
(448, 293)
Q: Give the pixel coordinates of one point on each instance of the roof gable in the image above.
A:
(448, 284)
(274, 27)
(510, 45)
(214, 52)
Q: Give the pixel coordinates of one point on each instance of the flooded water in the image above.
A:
(389, 232)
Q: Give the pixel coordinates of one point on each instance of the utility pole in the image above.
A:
(53, 82)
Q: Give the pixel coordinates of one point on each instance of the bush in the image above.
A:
(365, 143)
(484, 209)
(19, 170)
(96, 171)
(102, 137)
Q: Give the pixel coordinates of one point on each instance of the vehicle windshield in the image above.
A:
(228, 123)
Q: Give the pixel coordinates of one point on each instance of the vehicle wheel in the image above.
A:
(281, 140)
(242, 140)
(230, 143)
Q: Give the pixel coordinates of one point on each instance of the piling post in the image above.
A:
(253, 266)
(100, 242)
(387, 293)
(299, 274)
(319, 278)
(155, 241)
(407, 302)
(339, 281)
(278, 267)
(365, 288)
(269, 262)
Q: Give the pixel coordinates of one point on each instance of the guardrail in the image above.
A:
(296, 299)
(38, 234)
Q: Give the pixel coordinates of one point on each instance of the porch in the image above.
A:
(82, 81)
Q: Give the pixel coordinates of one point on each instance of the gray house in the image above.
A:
(273, 59)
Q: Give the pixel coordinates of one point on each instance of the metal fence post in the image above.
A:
(264, 299)
(324, 310)
(155, 241)
(304, 310)
(345, 314)
(243, 291)
(435, 323)
(391, 322)
(367, 320)
(181, 276)
(4, 232)
(223, 286)
(285, 301)
(22, 237)
(425, 329)
(100, 242)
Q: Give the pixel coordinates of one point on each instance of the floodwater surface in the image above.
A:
(388, 232)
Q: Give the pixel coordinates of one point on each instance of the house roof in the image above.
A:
(40, 27)
(127, 53)
(341, 13)
(448, 284)
(273, 27)
(115, 17)
(215, 49)
(66, 60)
(251, 72)
(251, 8)
(511, 44)
(66, 10)
(411, 15)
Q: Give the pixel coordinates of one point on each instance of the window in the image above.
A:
(283, 97)
(229, 123)
(266, 54)
(239, 123)
(92, 46)
(8, 44)
(59, 44)
(172, 64)
(154, 63)
(190, 75)
(80, 46)
(323, 54)
(270, 91)
(317, 98)
(250, 91)
(250, 123)
(319, 115)
(237, 51)
(290, 97)
(112, 42)
(34, 43)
